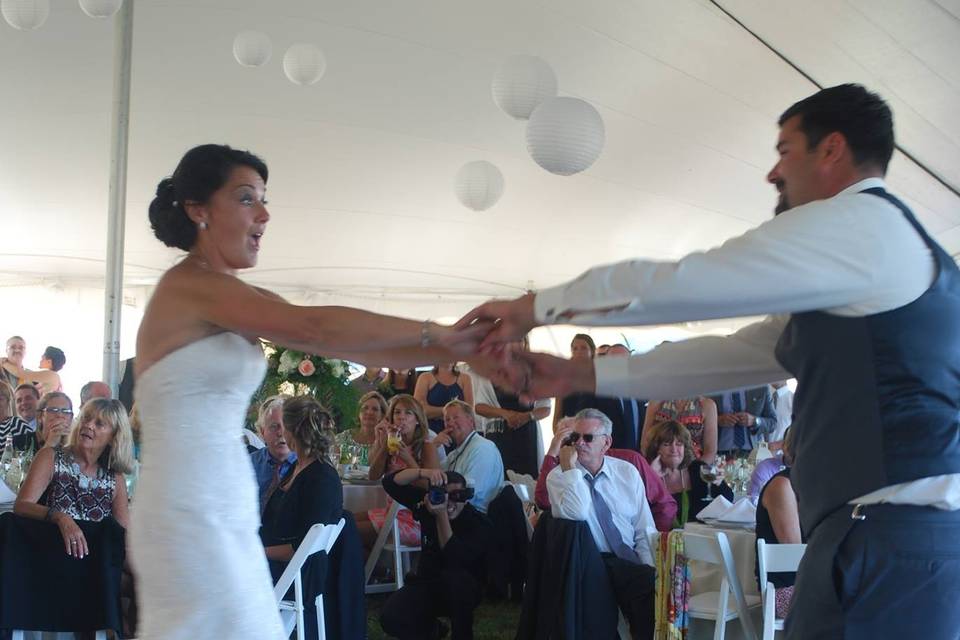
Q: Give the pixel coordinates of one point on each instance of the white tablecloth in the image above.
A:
(743, 544)
(358, 498)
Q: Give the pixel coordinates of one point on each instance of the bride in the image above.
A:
(193, 536)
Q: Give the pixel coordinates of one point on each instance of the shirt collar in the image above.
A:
(292, 458)
(867, 183)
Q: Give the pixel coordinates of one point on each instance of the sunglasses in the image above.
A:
(587, 437)
(460, 495)
(66, 412)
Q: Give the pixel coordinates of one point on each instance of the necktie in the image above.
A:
(739, 432)
(613, 537)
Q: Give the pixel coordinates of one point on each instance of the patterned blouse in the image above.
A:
(78, 495)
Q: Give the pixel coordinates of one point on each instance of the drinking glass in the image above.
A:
(708, 473)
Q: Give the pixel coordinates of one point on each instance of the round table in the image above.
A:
(743, 544)
(361, 497)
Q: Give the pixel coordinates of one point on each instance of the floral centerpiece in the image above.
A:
(297, 373)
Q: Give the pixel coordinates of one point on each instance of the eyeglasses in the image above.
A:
(587, 437)
(66, 412)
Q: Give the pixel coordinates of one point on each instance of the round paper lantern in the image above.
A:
(522, 83)
(478, 185)
(252, 48)
(25, 14)
(100, 8)
(304, 63)
(565, 135)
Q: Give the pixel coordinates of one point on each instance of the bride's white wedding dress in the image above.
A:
(200, 566)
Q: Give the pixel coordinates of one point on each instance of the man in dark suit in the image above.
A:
(744, 418)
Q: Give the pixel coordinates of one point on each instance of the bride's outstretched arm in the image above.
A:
(333, 331)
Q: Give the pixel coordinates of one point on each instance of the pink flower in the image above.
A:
(306, 368)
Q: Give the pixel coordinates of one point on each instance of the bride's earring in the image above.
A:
(203, 226)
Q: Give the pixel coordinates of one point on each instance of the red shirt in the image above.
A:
(662, 504)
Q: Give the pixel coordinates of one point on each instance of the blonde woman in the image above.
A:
(83, 480)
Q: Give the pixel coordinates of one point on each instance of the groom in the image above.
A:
(869, 326)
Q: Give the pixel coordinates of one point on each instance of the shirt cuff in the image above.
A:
(613, 377)
(547, 305)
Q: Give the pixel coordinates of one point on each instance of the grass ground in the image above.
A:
(493, 620)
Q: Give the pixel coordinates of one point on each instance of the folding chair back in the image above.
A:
(715, 549)
(773, 558)
(320, 537)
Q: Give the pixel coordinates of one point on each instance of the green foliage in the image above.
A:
(297, 373)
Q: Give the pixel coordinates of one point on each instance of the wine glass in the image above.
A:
(708, 473)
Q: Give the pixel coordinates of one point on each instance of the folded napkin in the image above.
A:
(715, 509)
(741, 511)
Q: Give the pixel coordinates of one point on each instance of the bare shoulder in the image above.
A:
(778, 491)
(171, 319)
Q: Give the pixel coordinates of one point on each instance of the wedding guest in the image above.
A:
(408, 421)
(371, 379)
(519, 439)
(54, 416)
(26, 396)
(373, 409)
(46, 378)
(473, 456)
(83, 480)
(744, 417)
(16, 350)
(766, 469)
(399, 381)
(582, 347)
(698, 415)
(94, 389)
(309, 494)
(451, 575)
(10, 423)
(273, 462)
(670, 453)
(662, 505)
(778, 522)
(438, 387)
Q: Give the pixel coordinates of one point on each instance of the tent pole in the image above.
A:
(119, 133)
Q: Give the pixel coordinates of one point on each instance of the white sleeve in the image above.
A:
(699, 366)
(569, 494)
(852, 254)
(643, 526)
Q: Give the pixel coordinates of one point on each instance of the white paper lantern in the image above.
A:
(252, 48)
(304, 63)
(522, 83)
(100, 8)
(478, 185)
(565, 135)
(25, 14)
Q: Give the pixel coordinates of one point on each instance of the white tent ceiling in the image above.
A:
(362, 163)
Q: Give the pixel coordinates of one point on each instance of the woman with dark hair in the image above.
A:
(438, 387)
(670, 452)
(193, 536)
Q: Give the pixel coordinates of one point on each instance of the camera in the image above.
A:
(437, 495)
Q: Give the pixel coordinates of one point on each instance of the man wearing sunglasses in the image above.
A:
(454, 538)
(608, 494)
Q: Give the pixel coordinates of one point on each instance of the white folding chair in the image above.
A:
(389, 531)
(729, 603)
(320, 537)
(774, 558)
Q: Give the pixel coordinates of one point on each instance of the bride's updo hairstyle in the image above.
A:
(311, 424)
(202, 171)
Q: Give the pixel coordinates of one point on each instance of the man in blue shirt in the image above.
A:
(272, 463)
(474, 457)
